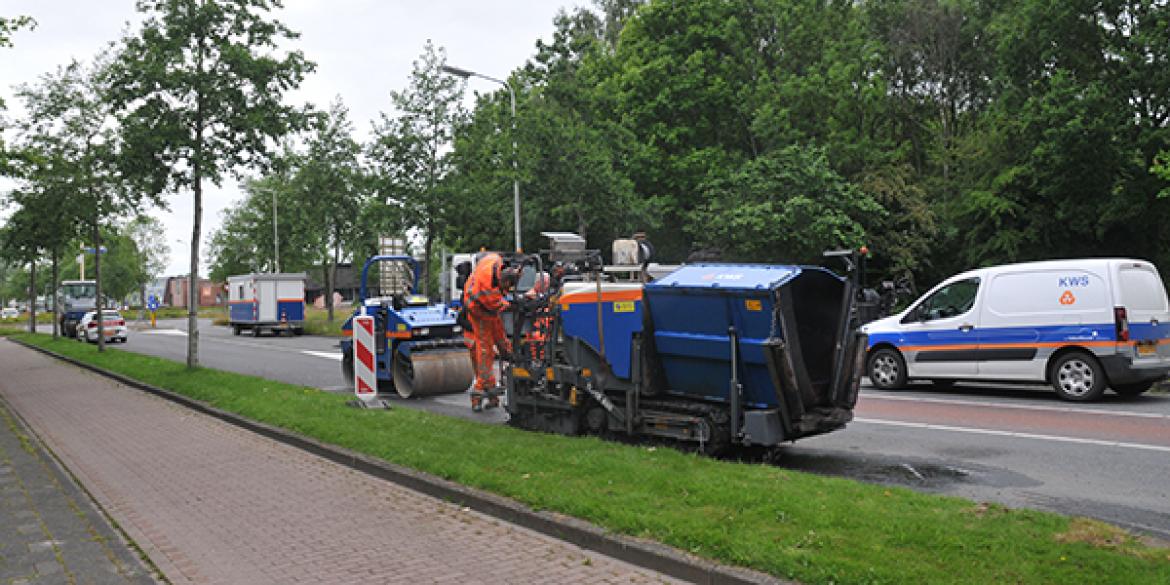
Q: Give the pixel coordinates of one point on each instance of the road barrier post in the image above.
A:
(365, 377)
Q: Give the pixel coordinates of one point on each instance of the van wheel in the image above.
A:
(1132, 389)
(1078, 377)
(887, 369)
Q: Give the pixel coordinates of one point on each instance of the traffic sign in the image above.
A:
(89, 250)
(365, 378)
(152, 303)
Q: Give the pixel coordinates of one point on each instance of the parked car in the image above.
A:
(113, 326)
(1079, 325)
(9, 313)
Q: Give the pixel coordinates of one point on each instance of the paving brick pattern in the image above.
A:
(50, 532)
(212, 503)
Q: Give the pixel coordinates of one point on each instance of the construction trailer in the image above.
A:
(270, 301)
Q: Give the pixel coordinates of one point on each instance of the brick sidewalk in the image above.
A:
(50, 532)
(211, 503)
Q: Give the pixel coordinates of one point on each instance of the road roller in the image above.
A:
(420, 347)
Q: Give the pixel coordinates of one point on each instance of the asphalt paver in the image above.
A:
(208, 502)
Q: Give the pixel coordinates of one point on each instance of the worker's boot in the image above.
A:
(476, 401)
(493, 397)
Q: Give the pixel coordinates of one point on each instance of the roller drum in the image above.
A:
(433, 372)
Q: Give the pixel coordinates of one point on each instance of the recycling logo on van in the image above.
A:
(1067, 298)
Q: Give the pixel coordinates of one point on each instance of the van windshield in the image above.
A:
(951, 300)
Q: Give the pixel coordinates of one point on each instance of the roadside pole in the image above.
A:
(152, 306)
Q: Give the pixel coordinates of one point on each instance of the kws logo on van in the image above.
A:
(1071, 281)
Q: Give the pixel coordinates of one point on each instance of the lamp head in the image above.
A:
(455, 71)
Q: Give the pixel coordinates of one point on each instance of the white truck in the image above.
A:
(1080, 325)
(75, 298)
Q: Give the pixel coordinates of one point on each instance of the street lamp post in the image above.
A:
(515, 172)
(275, 237)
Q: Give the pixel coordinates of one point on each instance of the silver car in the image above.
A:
(113, 326)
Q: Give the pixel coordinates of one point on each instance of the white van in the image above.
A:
(1079, 325)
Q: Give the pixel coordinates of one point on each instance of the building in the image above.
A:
(211, 294)
(347, 283)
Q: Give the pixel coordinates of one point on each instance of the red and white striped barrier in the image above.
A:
(365, 378)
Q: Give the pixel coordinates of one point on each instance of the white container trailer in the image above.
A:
(275, 302)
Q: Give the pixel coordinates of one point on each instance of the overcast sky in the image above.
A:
(363, 50)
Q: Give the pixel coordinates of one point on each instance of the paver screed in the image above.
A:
(211, 503)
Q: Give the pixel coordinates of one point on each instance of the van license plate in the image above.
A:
(1147, 348)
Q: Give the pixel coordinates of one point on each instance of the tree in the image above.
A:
(150, 239)
(19, 243)
(329, 181)
(788, 204)
(244, 242)
(9, 25)
(42, 220)
(408, 154)
(73, 127)
(201, 87)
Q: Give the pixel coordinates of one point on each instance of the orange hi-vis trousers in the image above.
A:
(489, 335)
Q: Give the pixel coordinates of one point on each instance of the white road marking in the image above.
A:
(977, 431)
(323, 354)
(868, 396)
(176, 332)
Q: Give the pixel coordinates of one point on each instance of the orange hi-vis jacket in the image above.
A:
(482, 292)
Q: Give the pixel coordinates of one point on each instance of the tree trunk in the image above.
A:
(327, 274)
(32, 300)
(193, 280)
(426, 261)
(56, 301)
(98, 314)
(197, 184)
(331, 280)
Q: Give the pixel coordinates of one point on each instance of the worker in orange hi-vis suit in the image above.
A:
(484, 299)
(540, 325)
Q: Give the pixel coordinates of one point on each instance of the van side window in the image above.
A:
(951, 300)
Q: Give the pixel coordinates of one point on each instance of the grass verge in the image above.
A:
(317, 321)
(790, 524)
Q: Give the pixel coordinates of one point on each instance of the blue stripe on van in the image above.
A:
(1071, 334)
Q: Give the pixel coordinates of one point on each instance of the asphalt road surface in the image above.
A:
(1016, 445)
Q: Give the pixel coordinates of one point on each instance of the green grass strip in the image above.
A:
(790, 524)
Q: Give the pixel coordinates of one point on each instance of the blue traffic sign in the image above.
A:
(152, 303)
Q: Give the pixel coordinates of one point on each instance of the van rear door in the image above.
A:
(1143, 297)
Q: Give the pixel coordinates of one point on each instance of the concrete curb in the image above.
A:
(647, 554)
